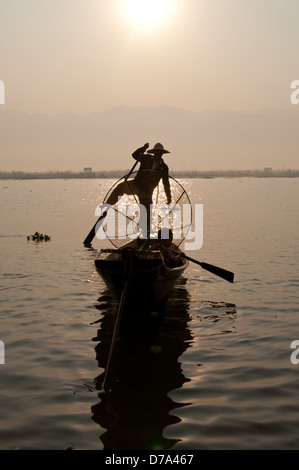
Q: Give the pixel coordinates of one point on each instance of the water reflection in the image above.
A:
(144, 369)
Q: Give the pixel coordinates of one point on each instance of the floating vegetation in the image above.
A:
(39, 237)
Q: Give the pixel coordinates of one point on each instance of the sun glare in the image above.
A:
(148, 14)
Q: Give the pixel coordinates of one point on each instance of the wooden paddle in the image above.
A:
(92, 232)
(227, 275)
(144, 148)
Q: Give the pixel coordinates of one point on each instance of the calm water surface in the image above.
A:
(215, 374)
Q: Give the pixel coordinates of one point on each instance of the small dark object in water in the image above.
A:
(39, 237)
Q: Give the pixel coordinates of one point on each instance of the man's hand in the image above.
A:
(145, 147)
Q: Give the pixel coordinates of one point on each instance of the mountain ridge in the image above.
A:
(209, 139)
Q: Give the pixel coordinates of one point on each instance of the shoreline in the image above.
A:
(24, 175)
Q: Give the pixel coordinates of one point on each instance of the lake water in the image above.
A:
(215, 374)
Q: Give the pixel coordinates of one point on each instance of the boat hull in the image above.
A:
(149, 279)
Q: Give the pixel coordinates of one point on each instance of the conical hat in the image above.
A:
(158, 147)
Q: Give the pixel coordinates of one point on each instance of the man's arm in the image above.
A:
(166, 184)
(139, 152)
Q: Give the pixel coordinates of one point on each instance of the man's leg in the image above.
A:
(146, 202)
(122, 188)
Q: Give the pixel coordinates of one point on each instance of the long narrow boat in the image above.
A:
(134, 258)
(143, 269)
(149, 278)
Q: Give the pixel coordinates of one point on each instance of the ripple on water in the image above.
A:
(219, 374)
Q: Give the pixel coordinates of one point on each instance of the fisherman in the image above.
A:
(152, 170)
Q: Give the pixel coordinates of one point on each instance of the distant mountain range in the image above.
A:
(207, 140)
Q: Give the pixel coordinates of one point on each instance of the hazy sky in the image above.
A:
(85, 56)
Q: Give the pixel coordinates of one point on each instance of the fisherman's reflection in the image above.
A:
(145, 367)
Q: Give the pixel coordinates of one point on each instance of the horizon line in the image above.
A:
(60, 113)
(90, 174)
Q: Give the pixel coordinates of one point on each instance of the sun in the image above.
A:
(148, 14)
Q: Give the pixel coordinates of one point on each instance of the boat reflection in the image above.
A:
(145, 367)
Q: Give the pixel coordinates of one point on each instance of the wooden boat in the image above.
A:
(138, 269)
(149, 278)
(141, 272)
(148, 274)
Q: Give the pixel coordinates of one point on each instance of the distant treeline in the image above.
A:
(32, 175)
(266, 173)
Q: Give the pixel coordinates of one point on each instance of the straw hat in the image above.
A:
(158, 147)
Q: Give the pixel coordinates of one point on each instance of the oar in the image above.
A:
(92, 232)
(143, 149)
(131, 171)
(227, 275)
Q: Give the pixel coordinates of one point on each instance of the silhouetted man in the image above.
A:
(152, 170)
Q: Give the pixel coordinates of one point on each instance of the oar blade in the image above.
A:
(89, 237)
(227, 275)
(92, 233)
